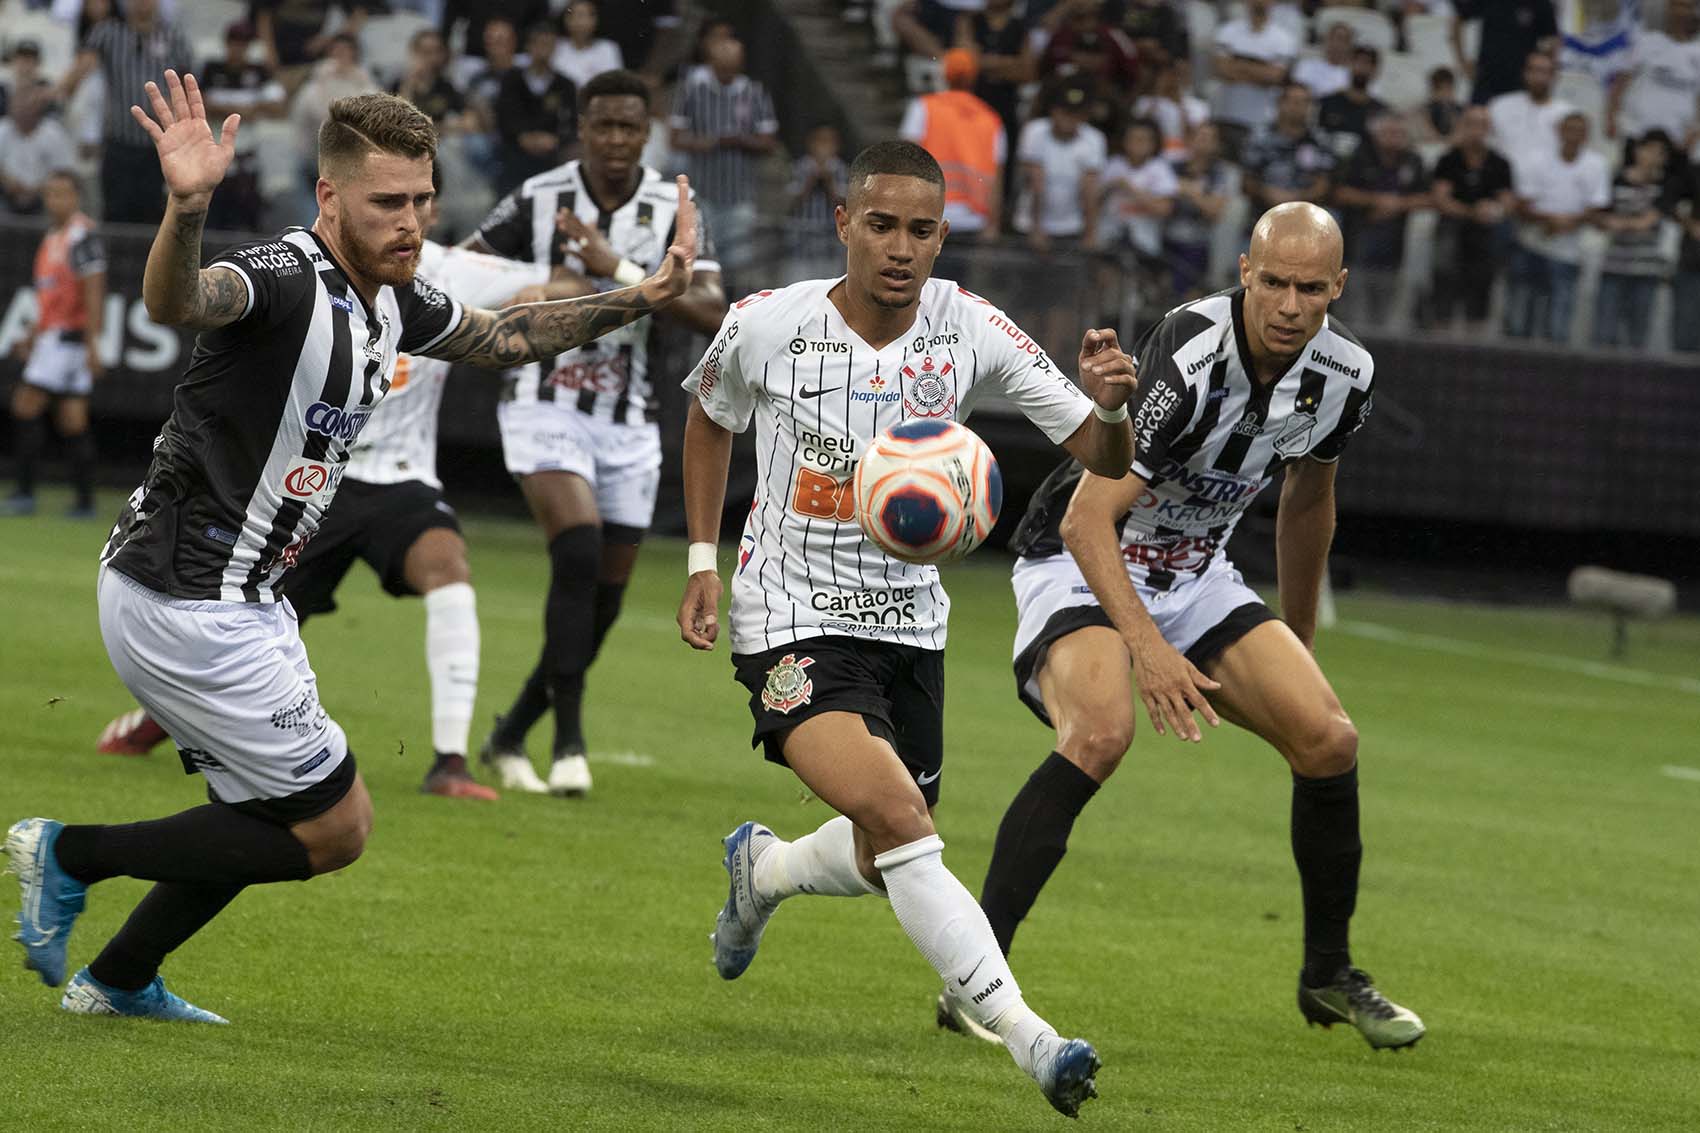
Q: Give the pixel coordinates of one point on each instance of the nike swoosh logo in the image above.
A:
(963, 982)
(806, 392)
(923, 779)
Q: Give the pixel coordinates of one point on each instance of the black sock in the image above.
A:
(28, 438)
(528, 708)
(80, 452)
(1328, 851)
(609, 596)
(170, 914)
(210, 845)
(569, 621)
(1031, 842)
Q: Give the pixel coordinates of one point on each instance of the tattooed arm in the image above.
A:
(177, 290)
(525, 333)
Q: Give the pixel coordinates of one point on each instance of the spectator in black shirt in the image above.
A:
(233, 85)
(537, 113)
(426, 86)
(478, 13)
(1287, 161)
(1343, 117)
(293, 34)
(1437, 118)
(1381, 185)
(1473, 194)
(1158, 32)
(1512, 30)
(1685, 332)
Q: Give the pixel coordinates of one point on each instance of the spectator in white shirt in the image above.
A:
(1525, 122)
(1556, 195)
(1173, 106)
(32, 146)
(1252, 56)
(1330, 73)
(1061, 157)
(581, 56)
(1139, 187)
(1661, 88)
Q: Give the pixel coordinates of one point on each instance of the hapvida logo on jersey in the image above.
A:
(334, 421)
(876, 393)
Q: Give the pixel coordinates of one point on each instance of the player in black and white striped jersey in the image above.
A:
(1126, 579)
(580, 432)
(298, 342)
(841, 646)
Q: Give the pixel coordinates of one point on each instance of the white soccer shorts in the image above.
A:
(230, 683)
(59, 367)
(1216, 600)
(622, 463)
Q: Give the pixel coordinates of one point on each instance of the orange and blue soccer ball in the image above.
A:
(928, 491)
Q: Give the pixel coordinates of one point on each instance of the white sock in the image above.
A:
(945, 922)
(451, 655)
(822, 863)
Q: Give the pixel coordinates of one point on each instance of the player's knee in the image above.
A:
(894, 822)
(1097, 749)
(1330, 749)
(442, 570)
(337, 840)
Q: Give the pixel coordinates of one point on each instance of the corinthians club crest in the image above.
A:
(787, 684)
(927, 393)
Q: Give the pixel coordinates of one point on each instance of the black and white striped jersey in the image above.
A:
(1207, 438)
(818, 394)
(609, 377)
(262, 423)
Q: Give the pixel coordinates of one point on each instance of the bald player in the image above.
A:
(1126, 580)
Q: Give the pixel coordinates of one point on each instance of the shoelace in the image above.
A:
(1363, 996)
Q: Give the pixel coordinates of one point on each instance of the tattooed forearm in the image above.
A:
(176, 291)
(515, 335)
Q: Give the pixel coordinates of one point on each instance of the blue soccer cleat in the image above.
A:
(51, 897)
(738, 926)
(88, 996)
(1065, 1074)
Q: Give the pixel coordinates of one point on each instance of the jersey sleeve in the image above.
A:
(507, 230)
(1164, 403)
(88, 254)
(1020, 369)
(719, 381)
(480, 280)
(276, 274)
(428, 314)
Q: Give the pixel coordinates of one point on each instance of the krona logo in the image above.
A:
(1322, 359)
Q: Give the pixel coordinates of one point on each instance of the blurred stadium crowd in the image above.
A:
(1508, 167)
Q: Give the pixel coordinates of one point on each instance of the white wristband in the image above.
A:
(628, 274)
(701, 557)
(1110, 416)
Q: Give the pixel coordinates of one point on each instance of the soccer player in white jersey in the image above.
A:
(1127, 580)
(391, 513)
(296, 335)
(840, 646)
(580, 433)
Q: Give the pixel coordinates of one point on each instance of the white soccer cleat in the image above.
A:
(951, 1017)
(569, 776)
(515, 773)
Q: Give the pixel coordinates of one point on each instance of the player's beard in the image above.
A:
(376, 264)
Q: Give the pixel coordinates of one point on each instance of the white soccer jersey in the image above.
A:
(1207, 438)
(819, 395)
(609, 377)
(399, 443)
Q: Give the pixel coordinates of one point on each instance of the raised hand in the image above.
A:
(1108, 374)
(192, 160)
(587, 243)
(674, 276)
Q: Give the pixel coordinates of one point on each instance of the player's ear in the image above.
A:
(1245, 270)
(325, 193)
(1339, 286)
(841, 221)
(944, 231)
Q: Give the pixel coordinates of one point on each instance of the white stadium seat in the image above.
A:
(1428, 38)
(1402, 83)
(383, 43)
(57, 40)
(1201, 21)
(1369, 27)
(204, 21)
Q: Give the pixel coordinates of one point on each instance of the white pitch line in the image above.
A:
(1460, 648)
(623, 758)
(1675, 772)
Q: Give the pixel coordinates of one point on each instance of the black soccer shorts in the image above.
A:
(374, 522)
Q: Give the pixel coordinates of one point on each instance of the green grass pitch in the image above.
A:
(1530, 886)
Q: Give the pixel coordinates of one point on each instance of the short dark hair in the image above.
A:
(421, 35)
(895, 159)
(373, 123)
(613, 84)
(1142, 123)
(1441, 75)
(1364, 50)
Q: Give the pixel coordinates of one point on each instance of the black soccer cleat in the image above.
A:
(1352, 998)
